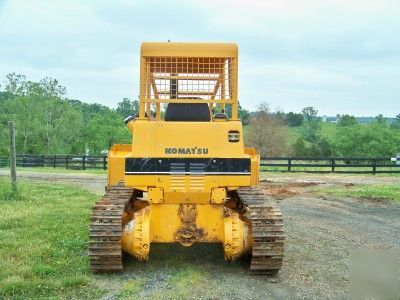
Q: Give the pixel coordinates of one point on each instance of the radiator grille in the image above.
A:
(177, 180)
(196, 179)
(195, 173)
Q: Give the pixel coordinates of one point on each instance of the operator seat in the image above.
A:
(184, 112)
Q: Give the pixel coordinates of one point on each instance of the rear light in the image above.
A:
(233, 136)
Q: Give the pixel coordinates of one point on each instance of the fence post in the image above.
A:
(54, 161)
(13, 157)
(374, 166)
(333, 164)
(83, 162)
(66, 162)
(104, 162)
(289, 165)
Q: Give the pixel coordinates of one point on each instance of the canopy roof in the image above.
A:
(210, 50)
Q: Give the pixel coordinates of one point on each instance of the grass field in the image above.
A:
(43, 234)
(58, 170)
(389, 192)
(43, 250)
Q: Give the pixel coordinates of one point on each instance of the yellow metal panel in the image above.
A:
(186, 195)
(189, 49)
(227, 181)
(144, 140)
(210, 135)
(199, 135)
(155, 195)
(218, 195)
(226, 148)
(166, 221)
(255, 165)
(116, 162)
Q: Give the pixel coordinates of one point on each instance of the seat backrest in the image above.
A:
(181, 112)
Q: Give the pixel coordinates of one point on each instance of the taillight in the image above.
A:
(233, 136)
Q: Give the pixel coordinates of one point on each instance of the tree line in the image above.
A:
(47, 122)
(305, 134)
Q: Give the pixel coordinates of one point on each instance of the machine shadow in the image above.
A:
(204, 257)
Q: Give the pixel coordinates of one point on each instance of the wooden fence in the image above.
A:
(268, 164)
(353, 165)
(77, 162)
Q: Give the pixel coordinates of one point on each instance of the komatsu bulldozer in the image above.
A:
(187, 176)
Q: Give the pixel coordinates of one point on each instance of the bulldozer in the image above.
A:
(186, 177)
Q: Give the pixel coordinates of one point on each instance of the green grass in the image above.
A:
(59, 170)
(389, 192)
(328, 130)
(43, 234)
(130, 289)
(43, 251)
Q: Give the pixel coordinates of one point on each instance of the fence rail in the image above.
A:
(373, 165)
(360, 165)
(75, 162)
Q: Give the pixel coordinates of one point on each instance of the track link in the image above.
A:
(268, 233)
(106, 228)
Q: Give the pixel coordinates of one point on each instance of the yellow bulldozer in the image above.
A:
(186, 177)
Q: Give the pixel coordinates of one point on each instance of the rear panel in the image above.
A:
(187, 157)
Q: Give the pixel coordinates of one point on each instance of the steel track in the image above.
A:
(105, 230)
(267, 229)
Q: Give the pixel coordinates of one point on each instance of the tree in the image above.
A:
(396, 123)
(380, 119)
(267, 133)
(347, 120)
(369, 140)
(280, 115)
(69, 139)
(15, 84)
(311, 143)
(321, 148)
(312, 123)
(26, 112)
(243, 113)
(127, 108)
(299, 148)
(51, 88)
(104, 131)
(48, 123)
(294, 119)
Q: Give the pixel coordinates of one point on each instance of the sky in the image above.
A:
(342, 57)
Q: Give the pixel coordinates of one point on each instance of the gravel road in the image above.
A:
(321, 231)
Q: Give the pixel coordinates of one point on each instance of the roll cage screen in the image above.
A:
(187, 79)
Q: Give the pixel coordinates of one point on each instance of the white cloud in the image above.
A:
(341, 56)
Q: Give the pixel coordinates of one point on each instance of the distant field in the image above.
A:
(327, 131)
(58, 170)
